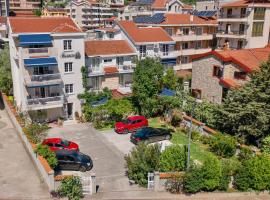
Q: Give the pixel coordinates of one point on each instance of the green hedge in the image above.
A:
(44, 150)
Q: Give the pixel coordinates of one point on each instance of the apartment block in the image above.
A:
(46, 57)
(54, 12)
(110, 64)
(244, 24)
(150, 7)
(89, 14)
(216, 72)
(192, 35)
(149, 42)
(24, 6)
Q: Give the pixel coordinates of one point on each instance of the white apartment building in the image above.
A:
(149, 42)
(151, 7)
(244, 24)
(89, 14)
(192, 35)
(110, 64)
(46, 58)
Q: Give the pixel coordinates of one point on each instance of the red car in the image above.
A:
(60, 144)
(130, 124)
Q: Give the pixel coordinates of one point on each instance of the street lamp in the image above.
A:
(190, 129)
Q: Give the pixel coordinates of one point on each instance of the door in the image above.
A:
(70, 110)
(42, 92)
(61, 162)
(72, 163)
(240, 44)
(228, 28)
(229, 13)
(241, 29)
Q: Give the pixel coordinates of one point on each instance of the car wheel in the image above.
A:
(83, 169)
(125, 131)
(168, 137)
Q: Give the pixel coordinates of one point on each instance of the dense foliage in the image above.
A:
(84, 72)
(44, 150)
(246, 110)
(204, 178)
(266, 144)
(106, 115)
(173, 159)
(141, 160)
(223, 145)
(5, 71)
(71, 187)
(36, 132)
(254, 174)
(169, 80)
(91, 97)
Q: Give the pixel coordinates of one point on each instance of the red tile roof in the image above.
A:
(153, 34)
(40, 24)
(118, 95)
(229, 83)
(159, 4)
(248, 59)
(110, 70)
(107, 47)
(175, 18)
(246, 3)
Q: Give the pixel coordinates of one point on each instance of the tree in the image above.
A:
(146, 82)
(254, 174)
(173, 159)
(169, 80)
(5, 71)
(246, 110)
(266, 145)
(204, 178)
(84, 72)
(37, 12)
(141, 160)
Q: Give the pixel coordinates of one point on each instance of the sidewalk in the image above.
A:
(18, 177)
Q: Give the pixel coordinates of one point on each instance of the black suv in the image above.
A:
(149, 135)
(73, 160)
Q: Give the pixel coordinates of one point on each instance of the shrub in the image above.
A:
(254, 174)
(266, 144)
(44, 150)
(175, 183)
(173, 159)
(176, 117)
(223, 145)
(203, 178)
(245, 153)
(36, 132)
(71, 187)
(141, 160)
(195, 136)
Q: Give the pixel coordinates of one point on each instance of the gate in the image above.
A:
(87, 185)
(151, 182)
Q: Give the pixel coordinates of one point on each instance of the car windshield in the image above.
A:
(126, 121)
(65, 143)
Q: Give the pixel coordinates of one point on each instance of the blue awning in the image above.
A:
(35, 39)
(167, 92)
(171, 61)
(35, 62)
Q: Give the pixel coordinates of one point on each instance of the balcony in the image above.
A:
(193, 51)
(39, 103)
(167, 54)
(126, 68)
(38, 52)
(233, 18)
(42, 80)
(191, 37)
(231, 34)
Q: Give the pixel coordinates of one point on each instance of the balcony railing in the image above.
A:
(45, 77)
(46, 101)
(231, 32)
(38, 50)
(231, 16)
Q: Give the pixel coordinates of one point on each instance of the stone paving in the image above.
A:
(18, 177)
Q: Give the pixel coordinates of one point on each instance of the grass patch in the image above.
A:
(155, 122)
(198, 151)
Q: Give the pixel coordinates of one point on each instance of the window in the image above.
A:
(69, 88)
(241, 29)
(120, 61)
(259, 13)
(240, 75)
(58, 145)
(111, 35)
(68, 67)
(94, 83)
(217, 72)
(257, 29)
(240, 44)
(229, 13)
(199, 31)
(165, 49)
(185, 31)
(185, 45)
(142, 49)
(107, 60)
(184, 59)
(67, 44)
(243, 12)
(206, 7)
(169, 31)
(198, 44)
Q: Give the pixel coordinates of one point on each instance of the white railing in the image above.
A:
(45, 100)
(45, 77)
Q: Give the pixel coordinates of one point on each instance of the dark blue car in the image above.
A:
(150, 135)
